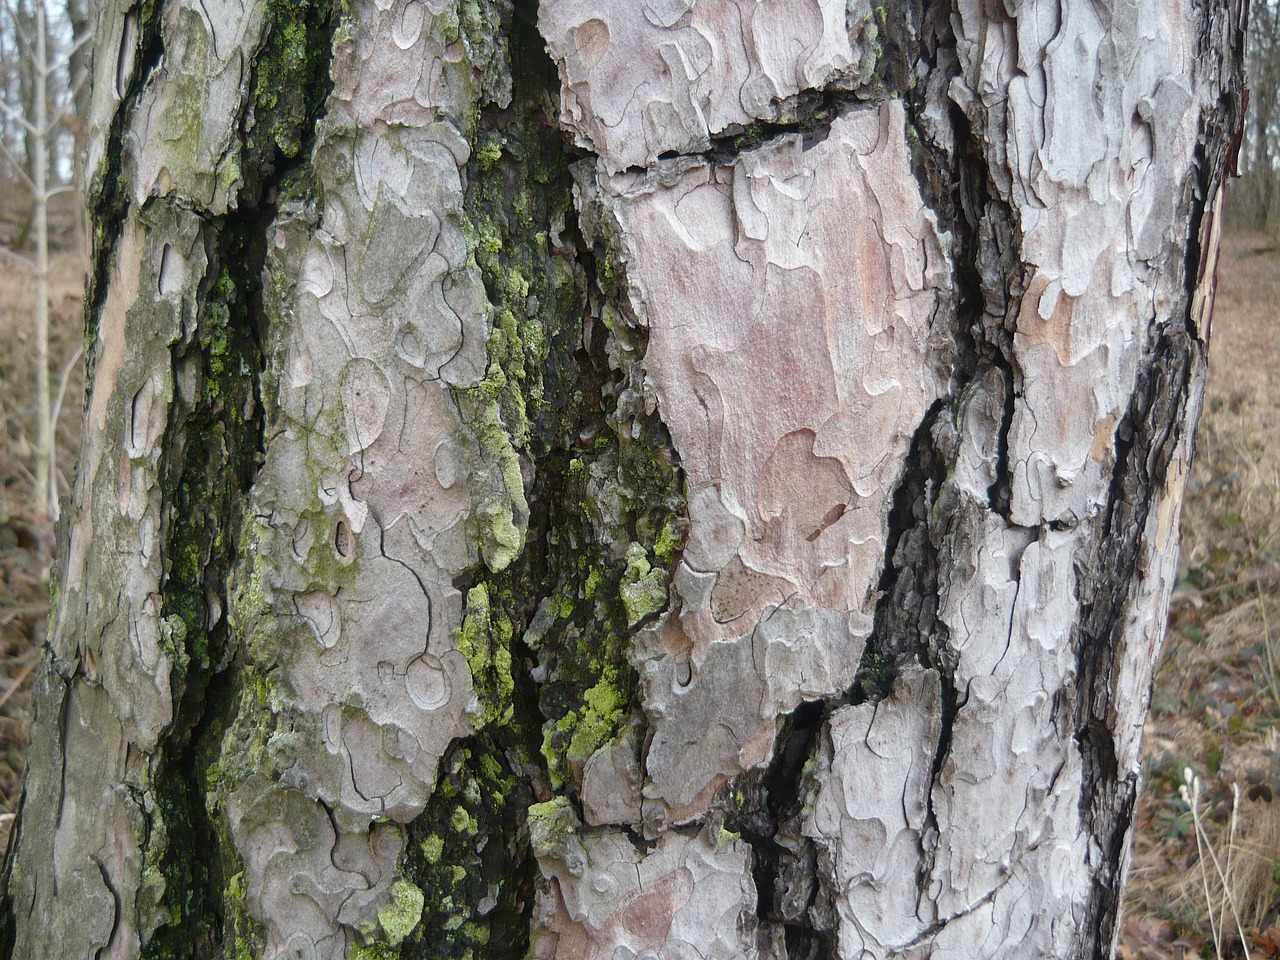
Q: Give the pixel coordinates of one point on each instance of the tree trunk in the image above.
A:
(717, 502)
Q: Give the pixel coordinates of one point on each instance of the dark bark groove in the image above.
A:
(215, 448)
(1147, 438)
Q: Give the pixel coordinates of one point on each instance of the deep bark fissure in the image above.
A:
(214, 449)
(1146, 441)
(107, 196)
(478, 898)
(906, 613)
(811, 112)
(767, 809)
(990, 287)
(554, 395)
(906, 625)
(956, 186)
(923, 519)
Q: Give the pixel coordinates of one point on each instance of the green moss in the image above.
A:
(571, 740)
(290, 75)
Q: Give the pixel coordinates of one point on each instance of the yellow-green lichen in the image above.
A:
(601, 710)
(643, 587)
(488, 154)
(373, 951)
(551, 813)
(502, 508)
(485, 641)
(239, 922)
(229, 177)
(670, 540)
(173, 641)
(466, 847)
(399, 917)
(587, 728)
(534, 296)
(553, 826)
(462, 821)
(432, 848)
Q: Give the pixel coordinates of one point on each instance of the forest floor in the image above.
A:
(1216, 706)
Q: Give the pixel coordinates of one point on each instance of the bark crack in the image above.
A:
(1147, 439)
(214, 447)
(107, 196)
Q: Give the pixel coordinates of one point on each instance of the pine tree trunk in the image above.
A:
(717, 501)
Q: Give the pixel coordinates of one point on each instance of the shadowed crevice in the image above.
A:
(213, 450)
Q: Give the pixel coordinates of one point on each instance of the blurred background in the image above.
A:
(44, 47)
(1205, 870)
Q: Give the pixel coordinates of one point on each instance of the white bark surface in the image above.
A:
(368, 469)
(691, 895)
(791, 383)
(989, 855)
(640, 80)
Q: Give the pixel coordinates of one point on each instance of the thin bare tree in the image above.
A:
(39, 121)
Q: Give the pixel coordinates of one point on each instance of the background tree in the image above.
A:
(37, 115)
(1257, 202)
(718, 501)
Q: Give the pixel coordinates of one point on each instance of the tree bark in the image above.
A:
(682, 479)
